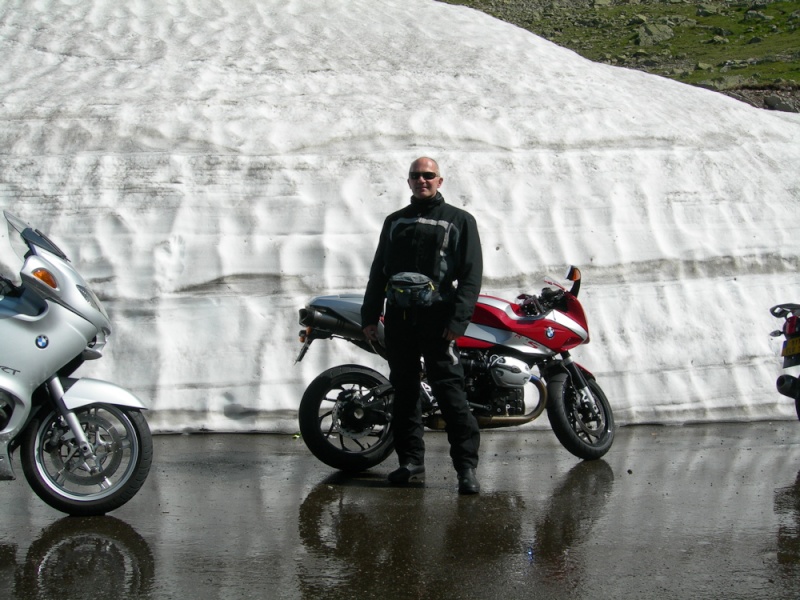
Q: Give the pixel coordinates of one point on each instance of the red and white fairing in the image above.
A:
(498, 322)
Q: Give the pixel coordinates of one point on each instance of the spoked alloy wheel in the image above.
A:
(60, 475)
(344, 418)
(586, 429)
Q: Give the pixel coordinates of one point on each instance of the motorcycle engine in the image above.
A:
(496, 383)
(509, 372)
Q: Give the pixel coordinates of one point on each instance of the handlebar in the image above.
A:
(537, 305)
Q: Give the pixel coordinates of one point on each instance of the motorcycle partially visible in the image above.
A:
(789, 385)
(84, 445)
(345, 413)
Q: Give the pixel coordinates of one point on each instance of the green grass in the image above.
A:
(744, 44)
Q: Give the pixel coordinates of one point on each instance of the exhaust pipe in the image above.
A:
(311, 317)
(436, 421)
(789, 386)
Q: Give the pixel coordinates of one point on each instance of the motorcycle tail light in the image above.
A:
(46, 277)
(790, 326)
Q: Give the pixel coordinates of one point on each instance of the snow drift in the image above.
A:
(211, 165)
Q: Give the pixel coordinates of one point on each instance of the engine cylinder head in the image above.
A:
(509, 372)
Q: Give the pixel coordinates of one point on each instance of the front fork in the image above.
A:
(56, 390)
(585, 396)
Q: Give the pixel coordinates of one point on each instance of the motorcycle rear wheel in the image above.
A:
(58, 474)
(328, 424)
(585, 434)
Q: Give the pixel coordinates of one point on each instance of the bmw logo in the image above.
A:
(42, 342)
(550, 333)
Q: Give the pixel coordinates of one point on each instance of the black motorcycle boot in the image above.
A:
(468, 482)
(408, 473)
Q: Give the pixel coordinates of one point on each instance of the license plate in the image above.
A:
(791, 347)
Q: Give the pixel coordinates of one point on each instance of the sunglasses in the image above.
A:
(427, 175)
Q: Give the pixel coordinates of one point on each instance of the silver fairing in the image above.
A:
(68, 293)
(42, 329)
(34, 349)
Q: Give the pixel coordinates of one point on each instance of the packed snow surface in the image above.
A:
(211, 165)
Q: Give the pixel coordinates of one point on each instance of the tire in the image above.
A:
(329, 426)
(586, 434)
(56, 472)
(797, 407)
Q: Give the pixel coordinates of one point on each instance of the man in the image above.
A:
(440, 241)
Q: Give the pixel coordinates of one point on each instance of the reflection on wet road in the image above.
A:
(75, 557)
(704, 512)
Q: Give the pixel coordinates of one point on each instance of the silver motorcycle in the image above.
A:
(84, 445)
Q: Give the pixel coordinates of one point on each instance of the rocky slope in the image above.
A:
(747, 49)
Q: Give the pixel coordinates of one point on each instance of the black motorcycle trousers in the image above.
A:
(411, 335)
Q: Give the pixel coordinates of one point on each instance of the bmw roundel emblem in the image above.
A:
(42, 342)
(550, 333)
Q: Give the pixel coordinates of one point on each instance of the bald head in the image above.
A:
(424, 178)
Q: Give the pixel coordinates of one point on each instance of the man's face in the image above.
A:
(422, 188)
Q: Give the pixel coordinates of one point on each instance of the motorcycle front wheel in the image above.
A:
(337, 418)
(62, 477)
(585, 429)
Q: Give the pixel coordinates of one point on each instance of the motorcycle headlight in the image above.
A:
(89, 296)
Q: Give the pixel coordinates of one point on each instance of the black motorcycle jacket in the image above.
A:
(438, 240)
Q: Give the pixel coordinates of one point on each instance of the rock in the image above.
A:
(755, 15)
(651, 34)
(775, 102)
(707, 10)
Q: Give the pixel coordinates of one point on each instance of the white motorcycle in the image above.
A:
(84, 446)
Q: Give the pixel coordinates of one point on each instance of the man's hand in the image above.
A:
(371, 333)
(449, 335)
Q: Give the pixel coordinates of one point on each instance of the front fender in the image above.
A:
(94, 391)
(560, 367)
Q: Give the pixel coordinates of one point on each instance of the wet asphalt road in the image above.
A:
(707, 511)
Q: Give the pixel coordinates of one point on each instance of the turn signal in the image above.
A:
(574, 274)
(46, 277)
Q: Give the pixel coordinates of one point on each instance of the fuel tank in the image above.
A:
(500, 322)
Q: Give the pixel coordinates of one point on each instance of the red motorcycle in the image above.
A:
(788, 385)
(346, 412)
